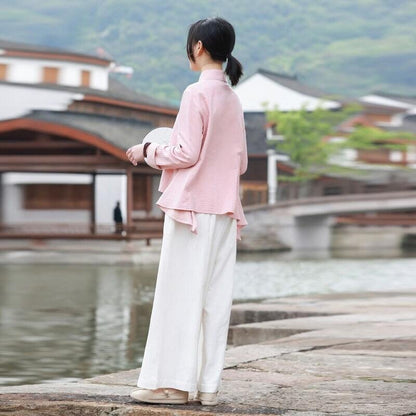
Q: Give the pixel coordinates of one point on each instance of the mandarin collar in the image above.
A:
(217, 74)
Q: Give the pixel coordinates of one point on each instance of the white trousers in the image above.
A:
(188, 329)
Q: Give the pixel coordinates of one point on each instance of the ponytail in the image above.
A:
(234, 69)
(218, 37)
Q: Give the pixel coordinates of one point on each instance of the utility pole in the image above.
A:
(272, 159)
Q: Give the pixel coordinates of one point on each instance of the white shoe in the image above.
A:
(207, 399)
(166, 395)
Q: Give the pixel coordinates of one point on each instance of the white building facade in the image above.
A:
(50, 81)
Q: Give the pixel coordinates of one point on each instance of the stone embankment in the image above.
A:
(338, 355)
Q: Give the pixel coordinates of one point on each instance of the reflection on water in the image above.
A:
(77, 321)
(72, 321)
(260, 276)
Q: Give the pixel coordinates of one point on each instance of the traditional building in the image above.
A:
(384, 112)
(262, 91)
(65, 124)
(266, 90)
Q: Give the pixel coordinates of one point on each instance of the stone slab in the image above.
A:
(273, 329)
(360, 361)
(258, 312)
(333, 367)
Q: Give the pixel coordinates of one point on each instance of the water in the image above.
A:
(68, 322)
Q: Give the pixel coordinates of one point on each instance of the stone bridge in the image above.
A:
(305, 224)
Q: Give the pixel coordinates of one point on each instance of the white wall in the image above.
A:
(30, 70)
(21, 100)
(14, 178)
(108, 190)
(13, 211)
(156, 211)
(258, 90)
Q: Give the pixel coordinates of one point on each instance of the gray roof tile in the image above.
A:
(121, 132)
(292, 82)
(24, 46)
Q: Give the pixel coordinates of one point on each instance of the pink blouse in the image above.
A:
(206, 155)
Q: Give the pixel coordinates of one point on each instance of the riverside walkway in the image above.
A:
(334, 355)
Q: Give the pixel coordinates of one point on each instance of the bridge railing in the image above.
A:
(335, 198)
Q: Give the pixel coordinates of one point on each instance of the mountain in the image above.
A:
(344, 47)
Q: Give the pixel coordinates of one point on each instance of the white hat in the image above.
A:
(160, 135)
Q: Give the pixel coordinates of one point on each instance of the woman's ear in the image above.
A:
(199, 47)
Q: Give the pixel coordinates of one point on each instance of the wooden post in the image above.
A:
(93, 228)
(149, 194)
(129, 204)
(1, 200)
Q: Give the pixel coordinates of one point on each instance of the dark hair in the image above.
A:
(218, 37)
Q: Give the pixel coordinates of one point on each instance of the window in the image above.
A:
(85, 78)
(50, 75)
(57, 196)
(3, 71)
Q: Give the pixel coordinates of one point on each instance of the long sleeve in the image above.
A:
(244, 156)
(187, 134)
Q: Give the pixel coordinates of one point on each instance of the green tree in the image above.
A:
(303, 132)
(373, 138)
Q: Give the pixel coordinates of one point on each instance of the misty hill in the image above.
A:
(343, 47)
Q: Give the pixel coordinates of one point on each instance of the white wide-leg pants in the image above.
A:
(188, 330)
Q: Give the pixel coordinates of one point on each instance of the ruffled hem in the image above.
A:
(189, 218)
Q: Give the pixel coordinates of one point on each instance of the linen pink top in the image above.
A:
(206, 154)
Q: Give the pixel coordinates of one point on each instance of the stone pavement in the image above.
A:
(66, 251)
(337, 354)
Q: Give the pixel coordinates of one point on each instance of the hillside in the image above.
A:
(344, 47)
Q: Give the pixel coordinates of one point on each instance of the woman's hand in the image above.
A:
(135, 154)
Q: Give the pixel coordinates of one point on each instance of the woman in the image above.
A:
(201, 170)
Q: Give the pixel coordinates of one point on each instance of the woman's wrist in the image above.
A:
(146, 145)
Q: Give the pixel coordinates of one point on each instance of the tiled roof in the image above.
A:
(121, 132)
(292, 82)
(349, 124)
(409, 99)
(116, 90)
(30, 47)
